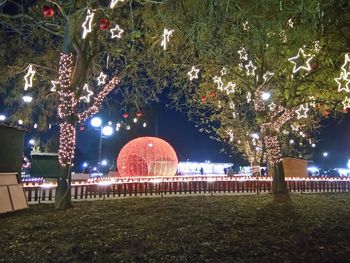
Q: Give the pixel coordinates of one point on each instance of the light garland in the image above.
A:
(28, 78)
(218, 81)
(67, 101)
(273, 149)
(250, 69)
(230, 87)
(166, 37)
(113, 3)
(308, 58)
(67, 143)
(116, 32)
(343, 82)
(54, 85)
(223, 71)
(101, 79)
(87, 25)
(346, 103)
(193, 73)
(302, 111)
(87, 93)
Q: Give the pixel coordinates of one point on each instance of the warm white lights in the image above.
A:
(113, 3)
(116, 32)
(87, 25)
(193, 73)
(2, 117)
(265, 96)
(86, 93)
(302, 111)
(101, 79)
(166, 37)
(230, 88)
(28, 78)
(250, 69)
(96, 122)
(343, 82)
(27, 98)
(346, 102)
(107, 130)
(306, 66)
(223, 71)
(218, 81)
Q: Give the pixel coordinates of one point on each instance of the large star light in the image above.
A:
(116, 32)
(54, 85)
(101, 79)
(193, 73)
(306, 64)
(114, 3)
(87, 25)
(250, 69)
(87, 93)
(166, 37)
(230, 88)
(343, 82)
(346, 103)
(218, 81)
(302, 111)
(28, 78)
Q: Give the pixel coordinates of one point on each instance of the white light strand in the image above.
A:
(230, 87)
(87, 25)
(250, 69)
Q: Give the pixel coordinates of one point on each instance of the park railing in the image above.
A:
(109, 188)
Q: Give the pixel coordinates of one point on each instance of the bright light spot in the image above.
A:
(291, 141)
(117, 128)
(348, 165)
(135, 120)
(128, 127)
(104, 162)
(255, 136)
(85, 164)
(2, 117)
(312, 169)
(94, 169)
(150, 145)
(144, 125)
(118, 125)
(109, 123)
(32, 142)
(265, 95)
(20, 122)
(325, 154)
(107, 131)
(96, 122)
(27, 98)
(313, 145)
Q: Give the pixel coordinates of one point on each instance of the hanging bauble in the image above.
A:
(125, 115)
(204, 98)
(212, 94)
(104, 23)
(138, 114)
(48, 11)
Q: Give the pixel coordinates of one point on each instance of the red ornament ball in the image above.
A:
(125, 115)
(212, 94)
(138, 114)
(48, 11)
(204, 98)
(104, 23)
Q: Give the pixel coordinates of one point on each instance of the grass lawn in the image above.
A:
(314, 228)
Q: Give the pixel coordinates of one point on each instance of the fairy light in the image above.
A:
(113, 3)
(87, 25)
(250, 69)
(308, 58)
(87, 93)
(230, 87)
(28, 78)
(193, 73)
(67, 143)
(223, 71)
(20, 122)
(273, 149)
(54, 85)
(27, 98)
(302, 111)
(116, 32)
(290, 23)
(343, 82)
(218, 81)
(101, 79)
(166, 37)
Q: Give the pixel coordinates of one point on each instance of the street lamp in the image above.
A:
(2, 117)
(96, 122)
(325, 154)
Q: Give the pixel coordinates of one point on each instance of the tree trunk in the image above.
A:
(63, 190)
(279, 184)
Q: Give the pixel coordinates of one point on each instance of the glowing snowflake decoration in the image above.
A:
(166, 37)
(302, 111)
(87, 25)
(116, 32)
(87, 93)
(101, 79)
(218, 81)
(306, 64)
(28, 78)
(54, 85)
(193, 73)
(230, 88)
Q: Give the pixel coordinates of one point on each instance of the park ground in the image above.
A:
(313, 228)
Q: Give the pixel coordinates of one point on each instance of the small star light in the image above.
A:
(87, 25)
(114, 3)
(246, 26)
(268, 75)
(232, 105)
(242, 54)
(166, 37)
(219, 82)
(193, 73)
(230, 88)
(116, 32)
(249, 97)
(54, 87)
(302, 111)
(343, 82)
(291, 23)
(101, 79)
(223, 71)
(272, 106)
(313, 101)
(308, 58)
(346, 103)
(28, 78)
(344, 66)
(250, 69)
(219, 104)
(88, 93)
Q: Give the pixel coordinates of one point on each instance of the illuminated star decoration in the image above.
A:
(116, 32)
(87, 92)
(114, 3)
(249, 97)
(302, 111)
(272, 106)
(308, 58)
(268, 75)
(54, 87)
(101, 79)
(87, 25)
(232, 105)
(223, 71)
(250, 69)
(193, 73)
(166, 37)
(343, 67)
(230, 88)
(346, 103)
(343, 82)
(242, 54)
(219, 82)
(28, 78)
(246, 26)
(312, 99)
(291, 23)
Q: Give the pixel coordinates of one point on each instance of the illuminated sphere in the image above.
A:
(147, 156)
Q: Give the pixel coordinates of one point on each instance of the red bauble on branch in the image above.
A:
(212, 94)
(204, 98)
(125, 115)
(104, 23)
(138, 114)
(47, 11)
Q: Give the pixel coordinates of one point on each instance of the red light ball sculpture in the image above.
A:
(47, 11)
(147, 156)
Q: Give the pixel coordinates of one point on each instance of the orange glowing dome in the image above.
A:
(147, 156)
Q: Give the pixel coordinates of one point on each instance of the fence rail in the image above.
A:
(40, 193)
